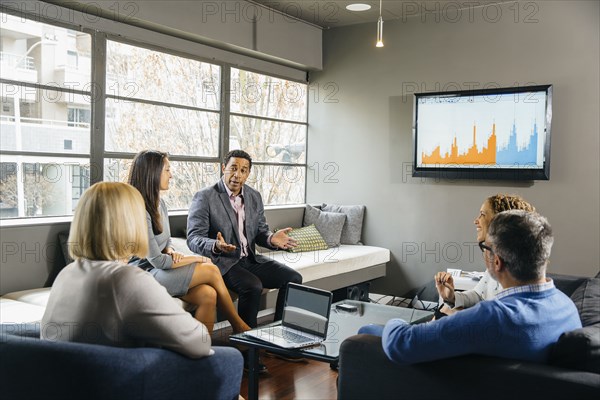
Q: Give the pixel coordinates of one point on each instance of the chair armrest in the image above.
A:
(366, 372)
(34, 368)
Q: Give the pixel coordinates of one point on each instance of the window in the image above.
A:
(72, 59)
(79, 116)
(269, 120)
(35, 125)
(81, 181)
(150, 98)
(165, 102)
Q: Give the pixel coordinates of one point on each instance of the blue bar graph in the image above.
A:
(513, 155)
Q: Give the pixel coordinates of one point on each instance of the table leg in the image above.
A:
(252, 373)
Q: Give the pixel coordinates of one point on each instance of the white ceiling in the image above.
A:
(333, 13)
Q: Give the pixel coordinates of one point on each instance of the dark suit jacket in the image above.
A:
(211, 212)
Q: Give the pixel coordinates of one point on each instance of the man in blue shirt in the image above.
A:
(521, 322)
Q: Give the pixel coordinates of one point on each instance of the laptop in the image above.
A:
(305, 319)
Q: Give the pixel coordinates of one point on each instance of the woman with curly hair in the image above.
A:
(487, 287)
(194, 278)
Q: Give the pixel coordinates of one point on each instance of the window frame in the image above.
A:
(99, 94)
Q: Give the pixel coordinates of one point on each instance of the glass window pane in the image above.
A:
(140, 73)
(265, 96)
(36, 187)
(188, 178)
(269, 141)
(35, 52)
(131, 127)
(278, 185)
(39, 120)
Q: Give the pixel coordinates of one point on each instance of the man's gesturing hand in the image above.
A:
(282, 240)
(222, 245)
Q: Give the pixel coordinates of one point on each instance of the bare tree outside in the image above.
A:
(280, 139)
(171, 103)
(154, 100)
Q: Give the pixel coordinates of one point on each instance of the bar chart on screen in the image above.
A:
(511, 153)
(468, 132)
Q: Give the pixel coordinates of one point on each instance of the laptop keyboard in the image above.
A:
(290, 336)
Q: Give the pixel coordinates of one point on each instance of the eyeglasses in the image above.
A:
(484, 247)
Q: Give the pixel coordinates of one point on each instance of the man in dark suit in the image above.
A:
(226, 221)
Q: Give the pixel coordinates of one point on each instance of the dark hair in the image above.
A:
(144, 175)
(237, 154)
(523, 240)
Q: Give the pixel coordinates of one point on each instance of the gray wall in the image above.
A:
(364, 130)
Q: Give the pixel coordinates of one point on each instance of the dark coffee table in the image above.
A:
(342, 325)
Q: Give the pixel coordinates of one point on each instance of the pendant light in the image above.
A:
(379, 28)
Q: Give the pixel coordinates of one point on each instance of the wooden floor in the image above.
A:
(304, 380)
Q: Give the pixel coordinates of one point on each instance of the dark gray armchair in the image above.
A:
(31, 368)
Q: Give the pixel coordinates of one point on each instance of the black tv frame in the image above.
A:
(483, 172)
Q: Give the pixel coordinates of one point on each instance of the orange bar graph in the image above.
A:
(473, 156)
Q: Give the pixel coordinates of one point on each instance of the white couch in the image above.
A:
(331, 269)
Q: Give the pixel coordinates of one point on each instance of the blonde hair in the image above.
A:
(109, 223)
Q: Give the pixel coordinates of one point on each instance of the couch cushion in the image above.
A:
(180, 245)
(587, 300)
(37, 297)
(308, 239)
(335, 261)
(578, 349)
(352, 229)
(12, 312)
(61, 262)
(328, 224)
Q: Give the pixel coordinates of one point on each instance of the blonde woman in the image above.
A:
(99, 298)
(487, 287)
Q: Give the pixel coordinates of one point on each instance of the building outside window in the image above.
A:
(38, 94)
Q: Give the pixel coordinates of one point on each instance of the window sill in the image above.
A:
(36, 221)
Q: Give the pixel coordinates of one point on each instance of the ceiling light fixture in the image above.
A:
(358, 7)
(379, 28)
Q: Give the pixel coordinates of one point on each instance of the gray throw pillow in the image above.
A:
(587, 300)
(352, 230)
(60, 262)
(328, 224)
(578, 349)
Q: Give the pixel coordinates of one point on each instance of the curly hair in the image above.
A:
(505, 202)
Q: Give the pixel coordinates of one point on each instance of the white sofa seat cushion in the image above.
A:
(314, 265)
(29, 305)
(37, 297)
(17, 312)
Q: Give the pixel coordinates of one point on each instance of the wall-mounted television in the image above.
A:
(500, 133)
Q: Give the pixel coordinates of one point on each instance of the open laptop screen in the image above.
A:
(307, 309)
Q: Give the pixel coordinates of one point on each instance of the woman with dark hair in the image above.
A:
(194, 278)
